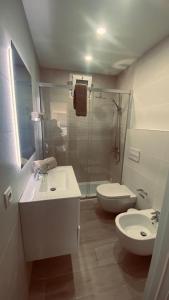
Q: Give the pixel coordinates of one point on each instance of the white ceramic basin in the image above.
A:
(54, 181)
(58, 183)
(136, 232)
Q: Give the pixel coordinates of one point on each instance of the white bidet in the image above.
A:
(136, 231)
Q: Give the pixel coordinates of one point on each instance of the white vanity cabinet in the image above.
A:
(50, 215)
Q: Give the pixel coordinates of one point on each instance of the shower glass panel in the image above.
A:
(93, 145)
(65, 136)
(107, 133)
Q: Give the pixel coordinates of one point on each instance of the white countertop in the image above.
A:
(61, 178)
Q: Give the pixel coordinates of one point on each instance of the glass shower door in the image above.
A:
(107, 131)
(65, 136)
(100, 141)
(93, 145)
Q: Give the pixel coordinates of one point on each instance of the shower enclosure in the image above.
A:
(93, 145)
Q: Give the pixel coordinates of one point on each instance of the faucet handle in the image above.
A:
(142, 193)
(36, 173)
(155, 215)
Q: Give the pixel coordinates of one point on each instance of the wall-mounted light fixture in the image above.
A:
(13, 107)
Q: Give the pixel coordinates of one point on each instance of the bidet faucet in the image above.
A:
(155, 215)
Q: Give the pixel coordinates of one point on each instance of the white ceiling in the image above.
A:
(64, 31)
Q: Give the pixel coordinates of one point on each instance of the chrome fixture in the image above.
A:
(142, 193)
(39, 172)
(117, 138)
(155, 216)
(69, 86)
(36, 116)
(117, 106)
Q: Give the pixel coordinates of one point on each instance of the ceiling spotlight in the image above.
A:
(88, 58)
(101, 31)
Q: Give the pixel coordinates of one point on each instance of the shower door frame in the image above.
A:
(69, 87)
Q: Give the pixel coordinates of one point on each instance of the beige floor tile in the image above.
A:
(53, 267)
(87, 257)
(135, 266)
(84, 261)
(96, 280)
(97, 230)
(110, 253)
(38, 290)
(112, 294)
(60, 288)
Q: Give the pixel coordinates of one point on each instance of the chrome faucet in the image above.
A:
(155, 216)
(39, 172)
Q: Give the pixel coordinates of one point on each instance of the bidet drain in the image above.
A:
(53, 189)
(143, 233)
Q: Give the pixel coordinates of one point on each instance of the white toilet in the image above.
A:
(115, 198)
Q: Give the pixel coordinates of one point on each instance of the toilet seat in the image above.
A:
(132, 210)
(114, 197)
(114, 190)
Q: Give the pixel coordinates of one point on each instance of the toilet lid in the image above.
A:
(111, 190)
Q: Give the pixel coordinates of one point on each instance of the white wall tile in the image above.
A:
(152, 170)
(148, 79)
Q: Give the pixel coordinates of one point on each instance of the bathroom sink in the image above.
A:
(58, 183)
(136, 232)
(53, 181)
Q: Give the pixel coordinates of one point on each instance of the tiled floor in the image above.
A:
(101, 270)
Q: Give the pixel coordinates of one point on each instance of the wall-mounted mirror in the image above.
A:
(24, 106)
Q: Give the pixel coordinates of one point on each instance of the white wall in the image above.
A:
(149, 126)
(13, 270)
(148, 78)
(152, 170)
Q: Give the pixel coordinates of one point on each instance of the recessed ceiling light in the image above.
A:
(88, 58)
(101, 31)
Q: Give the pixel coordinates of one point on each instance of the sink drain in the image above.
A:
(53, 189)
(143, 233)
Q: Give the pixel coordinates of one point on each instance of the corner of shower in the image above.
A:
(93, 145)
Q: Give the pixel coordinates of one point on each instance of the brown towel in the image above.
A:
(80, 100)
